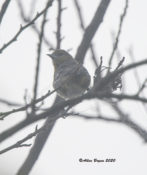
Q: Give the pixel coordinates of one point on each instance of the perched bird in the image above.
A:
(71, 79)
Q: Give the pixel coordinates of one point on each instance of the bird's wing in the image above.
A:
(74, 72)
(64, 73)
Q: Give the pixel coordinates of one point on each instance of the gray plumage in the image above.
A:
(71, 79)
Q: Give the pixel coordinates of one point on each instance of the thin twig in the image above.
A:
(5, 114)
(131, 54)
(143, 86)
(22, 28)
(122, 17)
(58, 33)
(89, 117)
(9, 103)
(39, 142)
(19, 143)
(32, 7)
(114, 74)
(132, 57)
(39, 57)
(60, 106)
(124, 118)
(120, 63)
(34, 26)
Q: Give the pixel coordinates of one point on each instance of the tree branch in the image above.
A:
(41, 138)
(3, 9)
(39, 57)
(20, 142)
(22, 28)
(91, 30)
(78, 8)
(34, 27)
(58, 33)
(90, 95)
(5, 114)
(122, 17)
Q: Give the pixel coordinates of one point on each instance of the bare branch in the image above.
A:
(22, 28)
(122, 17)
(114, 74)
(132, 57)
(20, 142)
(9, 103)
(131, 54)
(121, 119)
(131, 124)
(49, 124)
(58, 33)
(90, 95)
(91, 30)
(99, 117)
(40, 141)
(39, 57)
(5, 114)
(78, 8)
(127, 97)
(3, 9)
(60, 106)
(34, 27)
(142, 87)
(120, 63)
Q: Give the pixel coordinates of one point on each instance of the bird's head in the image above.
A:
(59, 56)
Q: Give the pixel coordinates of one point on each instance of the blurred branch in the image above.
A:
(39, 56)
(78, 8)
(58, 33)
(120, 63)
(114, 74)
(131, 54)
(143, 86)
(3, 9)
(34, 27)
(36, 149)
(9, 103)
(41, 138)
(118, 56)
(131, 124)
(22, 28)
(122, 17)
(91, 30)
(101, 85)
(88, 117)
(117, 51)
(32, 6)
(122, 119)
(51, 113)
(40, 141)
(19, 143)
(126, 97)
(55, 109)
(5, 114)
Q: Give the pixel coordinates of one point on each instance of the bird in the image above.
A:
(71, 79)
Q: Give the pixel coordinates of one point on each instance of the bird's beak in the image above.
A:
(50, 55)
